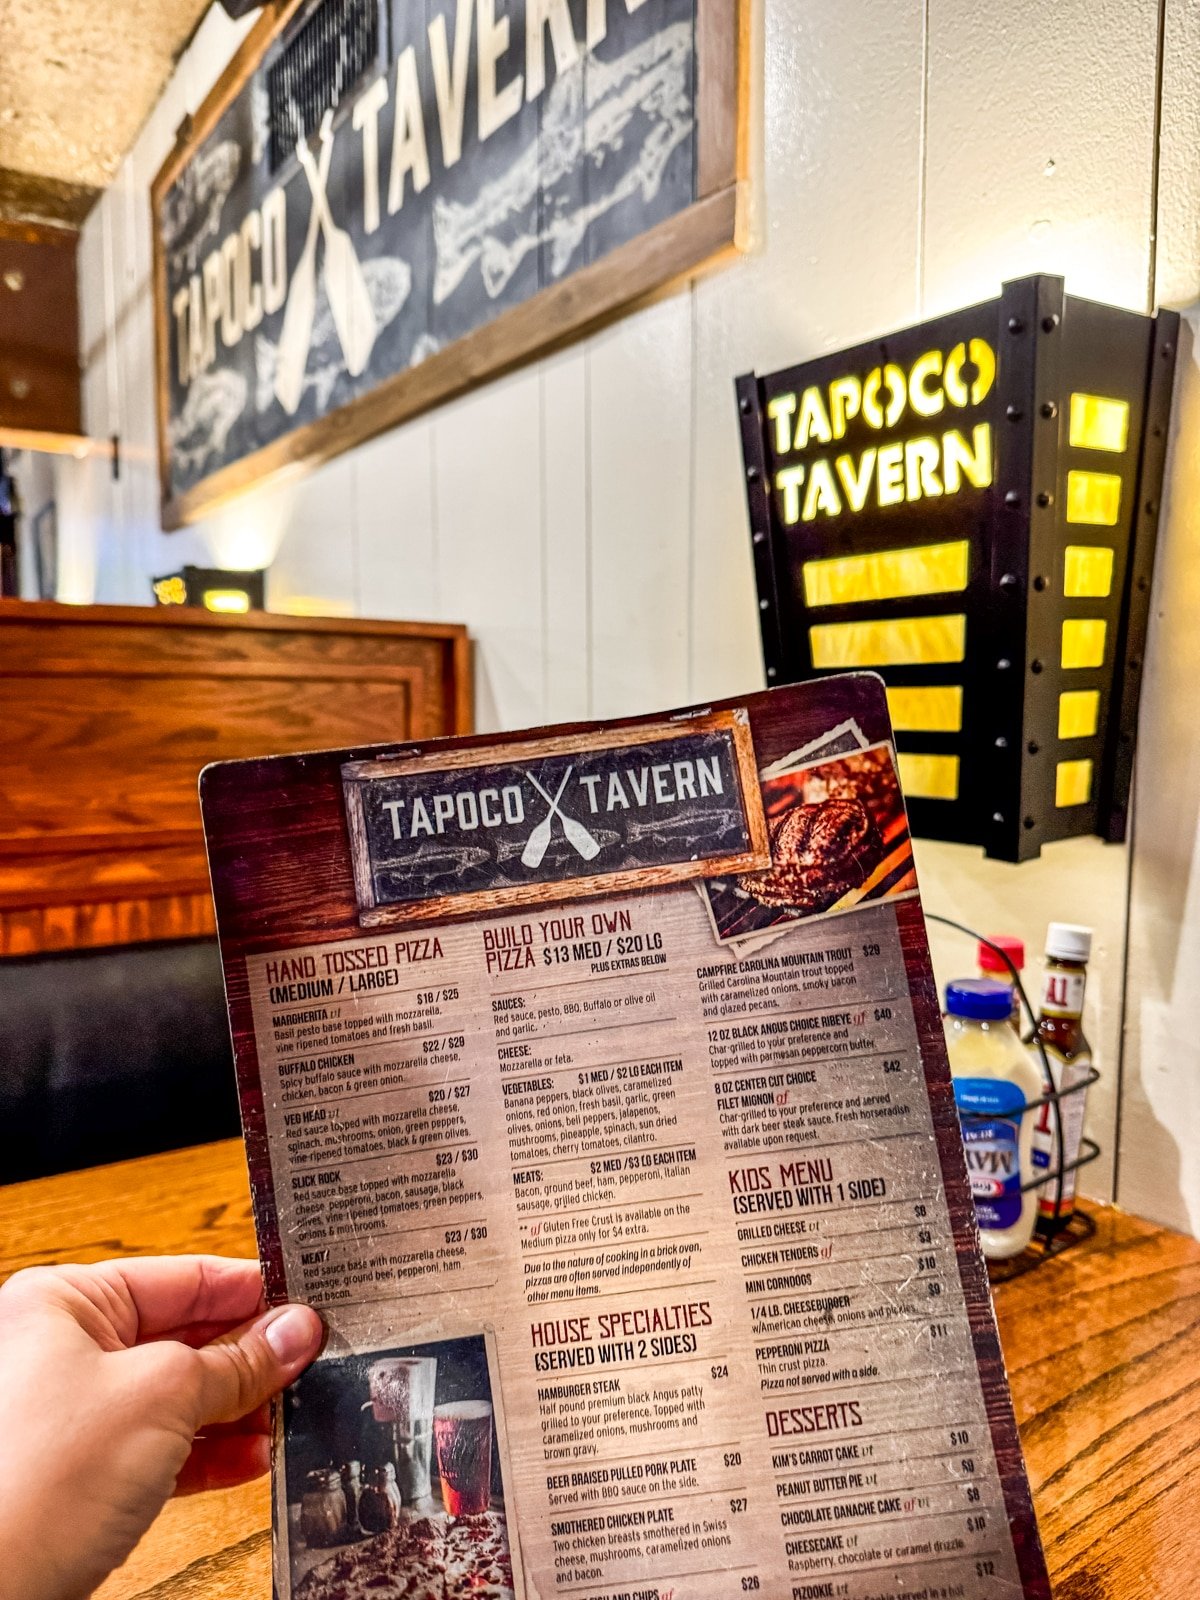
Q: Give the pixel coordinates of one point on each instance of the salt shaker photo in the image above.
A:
(393, 1471)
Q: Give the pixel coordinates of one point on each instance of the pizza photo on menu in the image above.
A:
(839, 839)
(395, 1482)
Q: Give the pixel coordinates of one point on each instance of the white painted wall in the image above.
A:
(585, 516)
(1159, 1171)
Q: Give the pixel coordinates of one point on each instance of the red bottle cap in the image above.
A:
(989, 961)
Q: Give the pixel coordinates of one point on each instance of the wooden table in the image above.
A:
(1102, 1344)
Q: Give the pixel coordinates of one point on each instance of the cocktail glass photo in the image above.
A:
(462, 1438)
(402, 1389)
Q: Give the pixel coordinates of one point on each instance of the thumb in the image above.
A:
(244, 1368)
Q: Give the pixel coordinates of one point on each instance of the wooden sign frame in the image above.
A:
(702, 234)
(756, 859)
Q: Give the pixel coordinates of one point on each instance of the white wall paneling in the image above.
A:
(1177, 235)
(1159, 1171)
(831, 261)
(1160, 1157)
(1040, 147)
(640, 408)
(488, 558)
(585, 516)
(565, 451)
(395, 534)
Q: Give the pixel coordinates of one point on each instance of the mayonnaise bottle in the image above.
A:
(994, 1080)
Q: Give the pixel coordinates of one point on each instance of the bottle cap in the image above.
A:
(1068, 941)
(982, 999)
(989, 961)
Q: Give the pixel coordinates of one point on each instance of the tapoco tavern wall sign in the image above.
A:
(381, 204)
(969, 507)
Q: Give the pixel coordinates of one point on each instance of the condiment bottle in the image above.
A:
(992, 965)
(994, 1084)
(323, 1508)
(379, 1504)
(1069, 1057)
(351, 1476)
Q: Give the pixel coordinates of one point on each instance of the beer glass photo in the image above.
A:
(462, 1437)
(402, 1390)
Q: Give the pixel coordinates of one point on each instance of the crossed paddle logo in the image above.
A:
(576, 835)
(345, 285)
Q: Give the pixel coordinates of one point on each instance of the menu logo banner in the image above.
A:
(554, 819)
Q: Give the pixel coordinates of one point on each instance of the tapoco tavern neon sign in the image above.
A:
(925, 467)
(968, 507)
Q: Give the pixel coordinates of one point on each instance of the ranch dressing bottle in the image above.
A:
(1060, 1029)
(994, 1080)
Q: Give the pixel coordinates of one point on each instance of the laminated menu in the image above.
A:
(594, 1091)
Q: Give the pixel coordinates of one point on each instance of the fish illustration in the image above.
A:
(506, 849)
(214, 403)
(518, 212)
(389, 280)
(427, 345)
(685, 823)
(445, 861)
(192, 210)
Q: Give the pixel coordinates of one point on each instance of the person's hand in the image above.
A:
(120, 1385)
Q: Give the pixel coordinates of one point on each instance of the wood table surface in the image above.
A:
(1102, 1345)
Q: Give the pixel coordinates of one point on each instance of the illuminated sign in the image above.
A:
(926, 466)
(969, 508)
(213, 588)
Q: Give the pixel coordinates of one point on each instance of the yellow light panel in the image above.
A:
(1078, 713)
(1089, 572)
(226, 600)
(1098, 423)
(925, 777)
(887, 575)
(304, 605)
(1083, 642)
(1072, 783)
(935, 708)
(1093, 497)
(170, 592)
(909, 641)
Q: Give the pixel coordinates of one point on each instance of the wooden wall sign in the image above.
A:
(382, 204)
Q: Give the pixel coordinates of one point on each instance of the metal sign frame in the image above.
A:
(1048, 346)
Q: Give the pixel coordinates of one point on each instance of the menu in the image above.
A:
(594, 1091)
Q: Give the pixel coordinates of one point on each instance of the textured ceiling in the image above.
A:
(77, 80)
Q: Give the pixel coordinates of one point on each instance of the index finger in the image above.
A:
(167, 1294)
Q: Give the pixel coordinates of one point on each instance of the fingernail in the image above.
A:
(291, 1333)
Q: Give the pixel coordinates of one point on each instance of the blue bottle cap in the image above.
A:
(982, 999)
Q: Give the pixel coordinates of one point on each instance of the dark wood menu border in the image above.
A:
(273, 824)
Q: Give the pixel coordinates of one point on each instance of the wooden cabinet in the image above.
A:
(110, 712)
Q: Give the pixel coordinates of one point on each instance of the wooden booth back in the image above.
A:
(109, 714)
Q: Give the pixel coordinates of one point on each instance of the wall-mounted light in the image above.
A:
(213, 588)
(969, 507)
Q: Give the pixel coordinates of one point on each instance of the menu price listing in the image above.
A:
(660, 1203)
